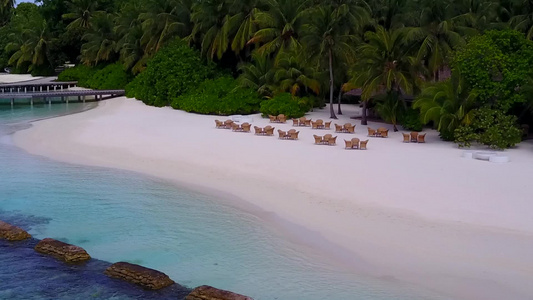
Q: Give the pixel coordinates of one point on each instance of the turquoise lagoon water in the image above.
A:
(122, 216)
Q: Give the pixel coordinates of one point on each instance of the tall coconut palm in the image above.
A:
(128, 28)
(447, 104)
(258, 74)
(80, 13)
(294, 73)
(384, 65)
(522, 19)
(437, 35)
(212, 26)
(162, 21)
(328, 36)
(279, 25)
(32, 46)
(101, 41)
(6, 7)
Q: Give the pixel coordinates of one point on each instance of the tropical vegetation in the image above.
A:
(414, 62)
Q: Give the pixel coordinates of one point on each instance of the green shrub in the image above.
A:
(173, 71)
(410, 120)
(79, 73)
(489, 127)
(112, 77)
(285, 103)
(219, 96)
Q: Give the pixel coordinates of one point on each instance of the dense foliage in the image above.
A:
(220, 96)
(112, 77)
(287, 104)
(174, 71)
(495, 64)
(80, 73)
(489, 127)
(389, 49)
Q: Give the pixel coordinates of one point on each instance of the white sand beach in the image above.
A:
(12, 78)
(415, 213)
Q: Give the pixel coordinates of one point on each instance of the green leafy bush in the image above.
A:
(489, 127)
(285, 103)
(219, 96)
(173, 71)
(79, 73)
(112, 77)
(410, 120)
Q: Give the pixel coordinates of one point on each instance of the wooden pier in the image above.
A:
(34, 87)
(60, 96)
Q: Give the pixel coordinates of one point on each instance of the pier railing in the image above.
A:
(62, 96)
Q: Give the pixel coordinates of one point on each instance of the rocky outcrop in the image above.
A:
(145, 277)
(12, 233)
(63, 251)
(206, 292)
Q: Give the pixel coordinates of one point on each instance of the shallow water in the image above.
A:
(122, 216)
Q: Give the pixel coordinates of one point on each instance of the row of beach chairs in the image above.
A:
(414, 137)
(380, 132)
(355, 144)
(268, 130)
(277, 119)
(327, 139)
(292, 134)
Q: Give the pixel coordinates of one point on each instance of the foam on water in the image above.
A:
(195, 239)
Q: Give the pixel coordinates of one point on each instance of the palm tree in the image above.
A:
(328, 37)
(389, 107)
(213, 26)
(129, 30)
(447, 104)
(5, 9)
(258, 74)
(243, 15)
(81, 13)
(383, 66)
(437, 35)
(162, 21)
(522, 19)
(101, 41)
(31, 47)
(294, 73)
(279, 25)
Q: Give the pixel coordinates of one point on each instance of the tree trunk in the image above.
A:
(394, 127)
(363, 116)
(339, 111)
(331, 110)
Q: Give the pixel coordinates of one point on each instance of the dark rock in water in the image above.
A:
(145, 277)
(206, 292)
(12, 233)
(64, 251)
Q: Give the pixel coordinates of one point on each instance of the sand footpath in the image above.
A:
(417, 213)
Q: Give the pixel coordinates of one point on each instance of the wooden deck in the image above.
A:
(59, 96)
(32, 87)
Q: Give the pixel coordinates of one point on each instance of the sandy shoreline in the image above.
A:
(414, 213)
